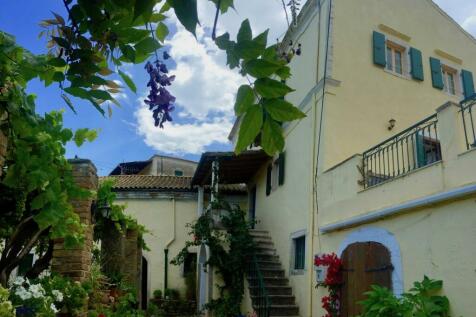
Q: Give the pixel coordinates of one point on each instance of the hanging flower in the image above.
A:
(160, 100)
(332, 282)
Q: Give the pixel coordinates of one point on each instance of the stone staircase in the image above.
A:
(280, 294)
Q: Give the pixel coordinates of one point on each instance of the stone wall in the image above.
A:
(76, 262)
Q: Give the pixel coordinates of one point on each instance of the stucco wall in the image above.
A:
(158, 217)
(436, 242)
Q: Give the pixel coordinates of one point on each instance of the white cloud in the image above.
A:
(470, 24)
(192, 138)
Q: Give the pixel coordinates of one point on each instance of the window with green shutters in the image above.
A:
(468, 84)
(281, 169)
(299, 252)
(269, 171)
(436, 73)
(416, 64)
(379, 50)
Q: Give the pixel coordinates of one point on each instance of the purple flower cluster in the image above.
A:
(160, 100)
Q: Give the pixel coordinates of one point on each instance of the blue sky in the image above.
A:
(204, 87)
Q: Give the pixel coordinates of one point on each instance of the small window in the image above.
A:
(395, 57)
(299, 252)
(449, 79)
(178, 173)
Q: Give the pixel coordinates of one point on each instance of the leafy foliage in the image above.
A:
(37, 184)
(123, 222)
(421, 301)
(261, 105)
(229, 251)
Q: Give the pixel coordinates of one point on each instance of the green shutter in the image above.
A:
(268, 180)
(436, 74)
(468, 84)
(379, 49)
(420, 151)
(281, 169)
(416, 64)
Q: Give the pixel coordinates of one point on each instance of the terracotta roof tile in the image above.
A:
(163, 183)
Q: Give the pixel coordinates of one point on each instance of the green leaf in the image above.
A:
(282, 110)
(161, 31)
(270, 88)
(186, 12)
(128, 52)
(244, 99)
(272, 139)
(78, 92)
(68, 103)
(248, 49)
(57, 62)
(224, 5)
(262, 39)
(244, 33)
(143, 8)
(128, 81)
(100, 94)
(250, 126)
(147, 45)
(284, 72)
(223, 41)
(58, 76)
(81, 135)
(260, 68)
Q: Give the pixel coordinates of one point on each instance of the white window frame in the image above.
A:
(445, 66)
(292, 239)
(406, 63)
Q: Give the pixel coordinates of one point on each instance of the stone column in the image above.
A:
(76, 262)
(133, 260)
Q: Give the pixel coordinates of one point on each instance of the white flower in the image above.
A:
(23, 293)
(44, 274)
(57, 295)
(37, 290)
(53, 308)
(19, 281)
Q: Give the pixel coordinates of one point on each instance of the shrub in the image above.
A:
(157, 294)
(421, 301)
(171, 294)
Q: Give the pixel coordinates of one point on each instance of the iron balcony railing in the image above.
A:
(408, 150)
(469, 118)
(259, 293)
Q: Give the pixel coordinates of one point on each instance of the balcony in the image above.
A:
(434, 157)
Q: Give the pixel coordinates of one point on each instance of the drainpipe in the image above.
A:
(166, 250)
(314, 194)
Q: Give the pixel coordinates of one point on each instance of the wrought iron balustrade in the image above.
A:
(406, 151)
(261, 301)
(468, 109)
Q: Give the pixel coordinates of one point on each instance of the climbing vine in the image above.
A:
(230, 247)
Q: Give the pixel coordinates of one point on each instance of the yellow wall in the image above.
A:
(158, 217)
(360, 99)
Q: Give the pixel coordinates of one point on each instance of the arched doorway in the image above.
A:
(364, 264)
(144, 280)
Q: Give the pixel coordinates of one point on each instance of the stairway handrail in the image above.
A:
(262, 294)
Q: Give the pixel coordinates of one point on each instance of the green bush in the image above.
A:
(420, 301)
(157, 294)
(172, 294)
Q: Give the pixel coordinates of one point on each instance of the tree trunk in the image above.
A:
(42, 263)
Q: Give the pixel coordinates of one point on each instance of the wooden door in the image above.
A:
(364, 264)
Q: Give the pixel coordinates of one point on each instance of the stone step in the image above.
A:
(267, 257)
(270, 281)
(263, 243)
(263, 265)
(284, 310)
(265, 251)
(277, 299)
(272, 272)
(272, 290)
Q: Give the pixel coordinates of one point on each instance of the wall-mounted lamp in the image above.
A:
(391, 124)
(100, 210)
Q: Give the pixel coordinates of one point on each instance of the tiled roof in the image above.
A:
(130, 182)
(163, 183)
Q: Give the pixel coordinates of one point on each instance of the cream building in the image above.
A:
(383, 163)
(158, 193)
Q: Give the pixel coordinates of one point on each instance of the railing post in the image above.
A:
(450, 131)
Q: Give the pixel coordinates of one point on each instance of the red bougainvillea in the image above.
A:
(332, 282)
